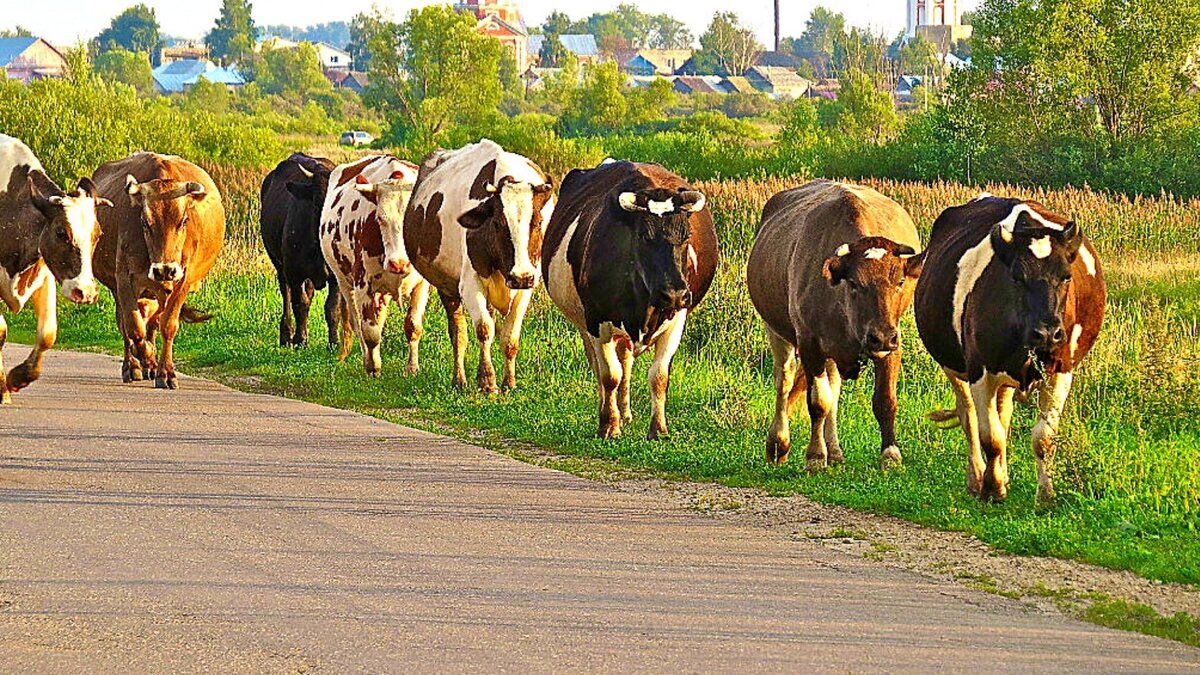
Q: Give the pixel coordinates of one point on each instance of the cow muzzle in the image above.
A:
(400, 267)
(674, 300)
(164, 272)
(80, 292)
(1046, 337)
(520, 282)
(882, 342)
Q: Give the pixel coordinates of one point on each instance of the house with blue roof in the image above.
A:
(30, 58)
(583, 46)
(179, 76)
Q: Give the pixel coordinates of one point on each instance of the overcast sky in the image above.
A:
(68, 21)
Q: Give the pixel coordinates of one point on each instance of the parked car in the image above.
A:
(356, 138)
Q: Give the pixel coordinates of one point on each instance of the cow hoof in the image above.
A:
(412, 369)
(777, 451)
(131, 375)
(509, 385)
(835, 457)
(608, 431)
(993, 494)
(890, 458)
(6, 398)
(373, 374)
(1045, 497)
(815, 464)
(657, 434)
(488, 387)
(20, 377)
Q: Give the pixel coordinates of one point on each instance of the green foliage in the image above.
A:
(599, 105)
(135, 29)
(205, 96)
(727, 47)
(863, 111)
(293, 73)
(626, 27)
(335, 33)
(233, 36)
(553, 52)
(823, 30)
(126, 67)
(15, 31)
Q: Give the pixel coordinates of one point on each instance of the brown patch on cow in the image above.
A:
(486, 177)
(370, 238)
(352, 172)
(423, 228)
(658, 386)
(510, 351)
(27, 278)
(483, 332)
(353, 207)
(536, 226)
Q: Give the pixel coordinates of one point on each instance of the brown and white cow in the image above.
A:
(474, 230)
(1011, 300)
(159, 242)
(362, 238)
(45, 234)
(630, 252)
(831, 273)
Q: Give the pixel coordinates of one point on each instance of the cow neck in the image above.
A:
(20, 236)
(482, 250)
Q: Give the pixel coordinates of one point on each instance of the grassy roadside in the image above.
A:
(1128, 468)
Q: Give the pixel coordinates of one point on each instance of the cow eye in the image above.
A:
(62, 235)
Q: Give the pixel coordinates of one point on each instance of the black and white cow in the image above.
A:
(630, 251)
(1011, 299)
(45, 234)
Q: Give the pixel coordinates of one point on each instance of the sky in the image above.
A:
(66, 22)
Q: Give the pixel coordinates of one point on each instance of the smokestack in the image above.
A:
(777, 25)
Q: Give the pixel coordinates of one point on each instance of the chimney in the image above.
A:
(776, 25)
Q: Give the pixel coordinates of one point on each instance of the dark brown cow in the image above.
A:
(630, 252)
(45, 234)
(159, 242)
(831, 273)
(292, 198)
(1011, 300)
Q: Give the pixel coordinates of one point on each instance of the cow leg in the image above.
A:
(625, 355)
(887, 372)
(609, 366)
(969, 421)
(5, 397)
(373, 308)
(414, 324)
(833, 447)
(1051, 399)
(349, 320)
(476, 304)
(333, 311)
(149, 311)
(45, 308)
(820, 402)
(302, 295)
(1004, 405)
(456, 322)
(660, 373)
(169, 323)
(779, 437)
(133, 328)
(986, 395)
(285, 321)
(511, 337)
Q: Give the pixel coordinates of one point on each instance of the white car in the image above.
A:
(356, 138)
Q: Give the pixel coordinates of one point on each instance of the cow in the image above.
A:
(292, 197)
(362, 239)
(831, 272)
(474, 229)
(1012, 300)
(629, 254)
(158, 244)
(45, 234)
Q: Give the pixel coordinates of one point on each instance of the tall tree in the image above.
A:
(728, 47)
(135, 29)
(362, 28)
(294, 73)
(667, 32)
(432, 72)
(122, 65)
(234, 34)
(823, 30)
(557, 23)
(15, 31)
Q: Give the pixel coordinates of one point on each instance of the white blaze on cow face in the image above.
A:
(517, 200)
(874, 254)
(660, 208)
(80, 215)
(1040, 248)
(391, 199)
(970, 268)
(1089, 262)
(842, 251)
(1010, 221)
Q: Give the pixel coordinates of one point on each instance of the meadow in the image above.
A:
(1128, 462)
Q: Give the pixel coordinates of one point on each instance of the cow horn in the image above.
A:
(491, 188)
(131, 185)
(196, 189)
(306, 172)
(628, 201)
(693, 200)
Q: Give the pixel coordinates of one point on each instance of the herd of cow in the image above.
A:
(1009, 296)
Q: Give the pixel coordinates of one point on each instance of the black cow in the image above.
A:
(630, 251)
(1011, 299)
(292, 197)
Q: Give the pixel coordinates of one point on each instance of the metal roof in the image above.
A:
(11, 48)
(579, 45)
(177, 76)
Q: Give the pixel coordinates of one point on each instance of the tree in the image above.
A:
(600, 105)
(362, 28)
(667, 32)
(292, 73)
(557, 23)
(727, 47)
(650, 104)
(233, 36)
(864, 111)
(122, 65)
(433, 72)
(135, 30)
(626, 27)
(205, 96)
(15, 31)
(823, 30)
(553, 51)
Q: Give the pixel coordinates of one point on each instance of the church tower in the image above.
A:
(939, 21)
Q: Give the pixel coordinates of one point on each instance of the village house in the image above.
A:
(179, 76)
(778, 82)
(583, 46)
(696, 84)
(183, 50)
(30, 58)
(650, 62)
(502, 20)
(353, 80)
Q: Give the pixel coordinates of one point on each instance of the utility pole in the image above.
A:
(777, 25)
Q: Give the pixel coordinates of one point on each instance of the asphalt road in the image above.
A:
(211, 530)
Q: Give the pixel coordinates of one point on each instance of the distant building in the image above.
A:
(650, 62)
(179, 76)
(30, 58)
(695, 84)
(353, 80)
(778, 82)
(186, 50)
(905, 86)
(827, 89)
(737, 85)
(330, 57)
(777, 60)
(502, 20)
(939, 21)
(582, 45)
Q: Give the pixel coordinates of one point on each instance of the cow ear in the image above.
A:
(478, 216)
(44, 193)
(628, 201)
(544, 187)
(1002, 239)
(1072, 238)
(693, 200)
(398, 175)
(303, 191)
(87, 187)
(196, 190)
(101, 201)
(834, 270)
(913, 265)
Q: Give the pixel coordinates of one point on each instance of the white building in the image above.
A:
(939, 21)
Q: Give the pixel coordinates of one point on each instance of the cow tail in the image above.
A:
(948, 419)
(192, 315)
